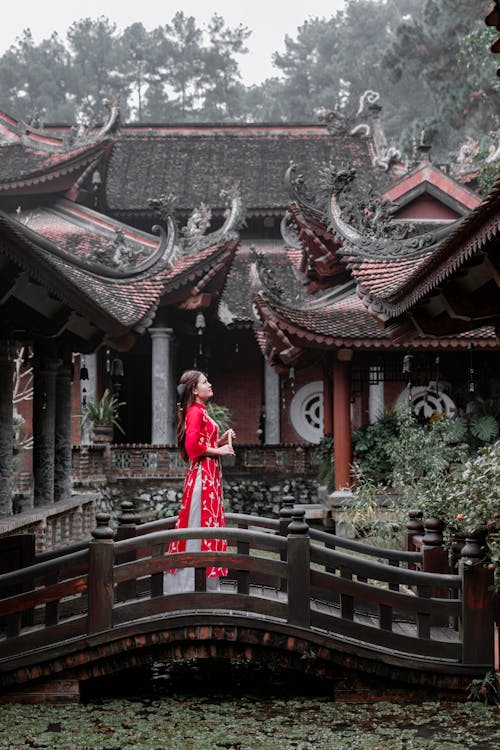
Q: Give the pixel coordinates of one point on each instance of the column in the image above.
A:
(162, 390)
(342, 444)
(90, 391)
(6, 427)
(272, 401)
(327, 397)
(63, 442)
(44, 418)
(375, 394)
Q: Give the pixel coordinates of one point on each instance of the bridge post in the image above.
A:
(435, 560)
(298, 571)
(477, 622)
(127, 529)
(414, 527)
(286, 512)
(100, 578)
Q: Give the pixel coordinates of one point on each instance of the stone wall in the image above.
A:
(242, 494)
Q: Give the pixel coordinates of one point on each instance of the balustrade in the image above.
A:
(378, 605)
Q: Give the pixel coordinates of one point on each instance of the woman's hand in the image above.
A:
(226, 450)
(224, 438)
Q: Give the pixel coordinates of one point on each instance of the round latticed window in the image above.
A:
(426, 402)
(306, 412)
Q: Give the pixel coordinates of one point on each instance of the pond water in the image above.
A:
(192, 710)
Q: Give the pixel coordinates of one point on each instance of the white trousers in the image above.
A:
(183, 578)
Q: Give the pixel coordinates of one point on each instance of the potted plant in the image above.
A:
(102, 416)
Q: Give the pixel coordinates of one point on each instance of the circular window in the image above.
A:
(426, 402)
(306, 412)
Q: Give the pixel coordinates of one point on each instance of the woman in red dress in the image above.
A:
(202, 501)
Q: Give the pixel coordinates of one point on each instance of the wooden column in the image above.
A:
(6, 427)
(342, 444)
(63, 443)
(44, 415)
(327, 396)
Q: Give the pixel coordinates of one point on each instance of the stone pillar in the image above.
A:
(6, 427)
(375, 394)
(88, 388)
(44, 417)
(272, 401)
(342, 444)
(63, 442)
(162, 390)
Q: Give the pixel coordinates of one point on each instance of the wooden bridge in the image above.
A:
(304, 598)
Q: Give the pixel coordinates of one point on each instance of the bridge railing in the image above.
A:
(342, 592)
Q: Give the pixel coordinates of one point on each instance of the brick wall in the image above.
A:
(163, 461)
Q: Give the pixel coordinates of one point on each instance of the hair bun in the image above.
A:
(181, 390)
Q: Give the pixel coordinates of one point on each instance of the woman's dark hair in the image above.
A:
(185, 391)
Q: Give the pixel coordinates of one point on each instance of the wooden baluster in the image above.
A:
(385, 611)
(346, 600)
(158, 550)
(100, 577)
(298, 571)
(52, 608)
(477, 621)
(394, 586)
(127, 529)
(243, 576)
(435, 560)
(457, 544)
(286, 512)
(423, 618)
(200, 579)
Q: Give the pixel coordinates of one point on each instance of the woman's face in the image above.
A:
(203, 390)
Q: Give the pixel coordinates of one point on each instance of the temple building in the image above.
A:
(130, 253)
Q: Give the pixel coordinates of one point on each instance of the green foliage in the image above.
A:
(104, 411)
(473, 492)
(486, 690)
(370, 446)
(232, 718)
(377, 513)
(220, 414)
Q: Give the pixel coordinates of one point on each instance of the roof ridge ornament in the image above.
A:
(193, 238)
(194, 234)
(84, 130)
(163, 208)
(298, 189)
(365, 220)
(340, 123)
(289, 232)
(265, 276)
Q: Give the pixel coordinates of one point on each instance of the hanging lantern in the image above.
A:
(471, 385)
(436, 364)
(200, 323)
(84, 397)
(108, 361)
(117, 368)
(407, 364)
(84, 373)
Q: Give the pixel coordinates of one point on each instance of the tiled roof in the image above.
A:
(235, 307)
(197, 162)
(60, 240)
(347, 323)
(21, 165)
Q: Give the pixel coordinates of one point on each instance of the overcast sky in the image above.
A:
(269, 20)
